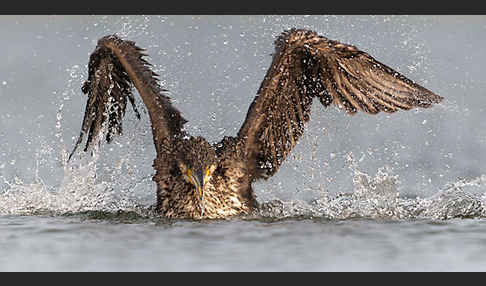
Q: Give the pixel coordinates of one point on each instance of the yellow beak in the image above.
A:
(197, 181)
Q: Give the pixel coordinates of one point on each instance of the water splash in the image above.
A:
(378, 198)
(78, 192)
(80, 188)
(375, 197)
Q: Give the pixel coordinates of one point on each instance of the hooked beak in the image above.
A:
(198, 179)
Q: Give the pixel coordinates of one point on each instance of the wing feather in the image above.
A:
(306, 65)
(114, 67)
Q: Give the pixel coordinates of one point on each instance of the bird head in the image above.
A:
(197, 165)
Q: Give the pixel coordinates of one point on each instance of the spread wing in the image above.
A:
(114, 67)
(306, 65)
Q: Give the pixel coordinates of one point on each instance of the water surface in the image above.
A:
(86, 244)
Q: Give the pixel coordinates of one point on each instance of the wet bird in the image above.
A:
(196, 179)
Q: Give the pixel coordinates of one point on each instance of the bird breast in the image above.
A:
(222, 195)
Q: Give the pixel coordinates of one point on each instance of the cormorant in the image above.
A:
(198, 180)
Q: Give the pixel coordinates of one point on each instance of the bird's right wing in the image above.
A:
(306, 65)
(114, 66)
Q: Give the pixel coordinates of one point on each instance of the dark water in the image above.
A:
(400, 192)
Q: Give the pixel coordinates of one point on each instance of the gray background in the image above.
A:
(213, 66)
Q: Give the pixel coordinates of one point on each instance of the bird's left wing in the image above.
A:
(306, 65)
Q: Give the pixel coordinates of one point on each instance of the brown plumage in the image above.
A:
(197, 180)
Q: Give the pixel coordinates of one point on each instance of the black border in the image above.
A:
(243, 7)
(233, 7)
